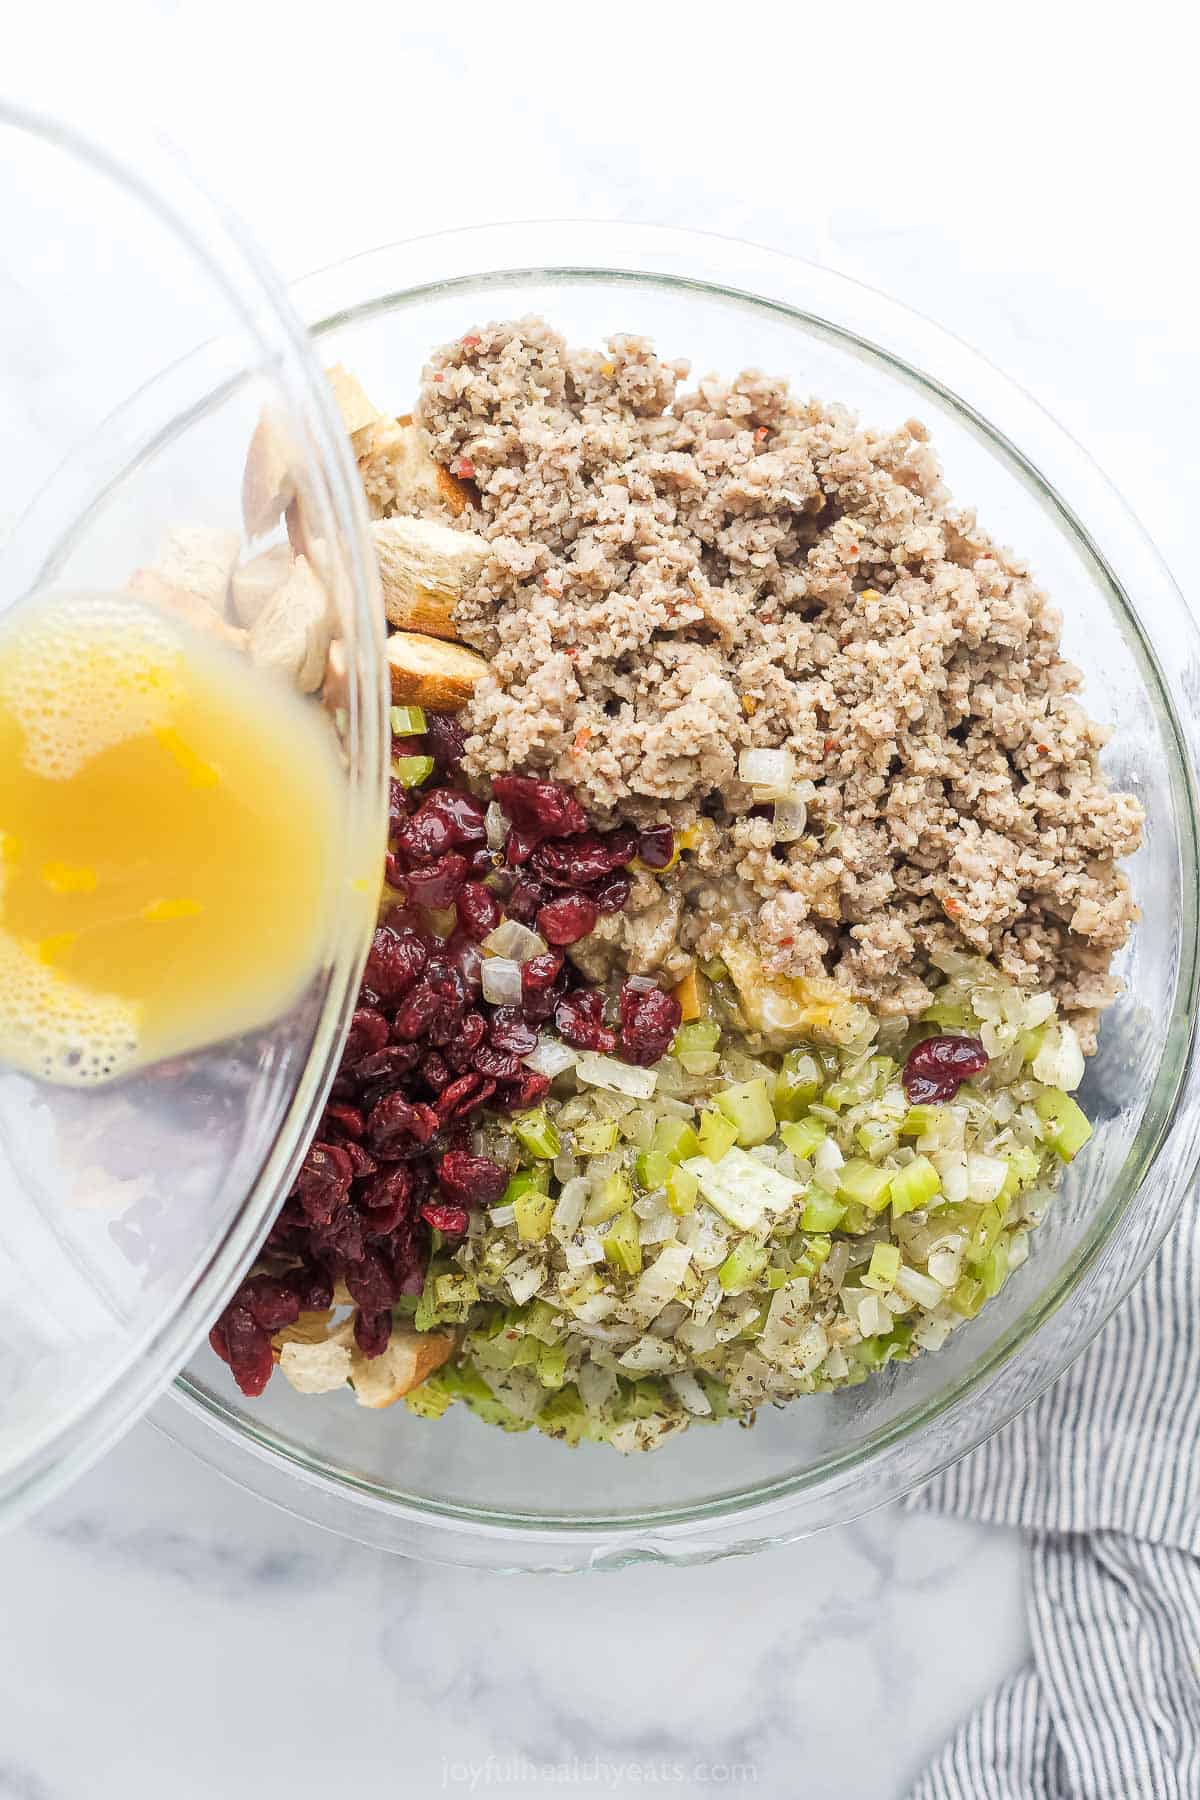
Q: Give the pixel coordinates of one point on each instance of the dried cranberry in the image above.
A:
(346, 1119)
(460, 1095)
(508, 1029)
(397, 806)
(386, 1199)
(463, 814)
(370, 1282)
(937, 1067)
(373, 1331)
(439, 884)
(471, 1180)
(342, 1240)
(444, 740)
(501, 1065)
(567, 919)
(578, 861)
(580, 1021)
(396, 1123)
(435, 1071)
(544, 808)
(387, 1065)
(393, 871)
(418, 1013)
(368, 1031)
(526, 901)
(398, 954)
(249, 1349)
(361, 1163)
(272, 1303)
(656, 847)
(527, 1091)
(649, 1020)
(519, 846)
(451, 1221)
(314, 1288)
(466, 958)
(611, 895)
(478, 910)
(426, 836)
(541, 972)
(482, 862)
(323, 1181)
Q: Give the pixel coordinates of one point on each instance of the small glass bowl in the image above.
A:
(458, 1491)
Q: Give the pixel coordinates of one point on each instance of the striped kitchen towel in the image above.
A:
(1104, 1473)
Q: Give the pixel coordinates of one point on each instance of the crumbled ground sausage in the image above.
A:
(674, 576)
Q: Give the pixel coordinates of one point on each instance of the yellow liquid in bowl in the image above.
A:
(167, 821)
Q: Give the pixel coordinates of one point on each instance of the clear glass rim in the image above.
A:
(213, 236)
(1066, 481)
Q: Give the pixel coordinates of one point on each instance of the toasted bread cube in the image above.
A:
(269, 478)
(256, 581)
(424, 570)
(291, 633)
(428, 671)
(400, 475)
(410, 1356)
(358, 414)
(149, 585)
(316, 1368)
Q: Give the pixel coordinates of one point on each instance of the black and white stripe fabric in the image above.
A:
(1104, 1472)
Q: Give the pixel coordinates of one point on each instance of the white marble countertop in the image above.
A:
(1023, 183)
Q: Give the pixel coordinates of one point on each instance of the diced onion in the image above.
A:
(690, 1395)
(515, 940)
(551, 1057)
(1059, 1061)
(568, 1208)
(618, 1077)
(921, 1289)
(501, 978)
(986, 1175)
(790, 819)
(771, 772)
(496, 825)
(641, 984)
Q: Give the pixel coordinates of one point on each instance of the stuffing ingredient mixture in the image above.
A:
(750, 904)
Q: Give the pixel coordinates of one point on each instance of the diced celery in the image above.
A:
(743, 1266)
(968, 1297)
(748, 1107)
(717, 1135)
(523, 1182)
(984, 1234)
(742, 1189)
(537, 1132)
(857, 1220)
(877, 1138)
(534, 1211)
(714, 968)
(803, 1137)
(621, 1244)
(526, 1353)
(408, 721)
(615, 1196)
(919, 1119)
(701, 1034)
(411, 771)
(1031, 1042)
(947, 1015)
(455, 1293)
(1068, 1129)
(675, 1138)
(540, 1321)
(653, 1167)
(994, 1272)
(883, 1268)
(913, 1186)
(797, 1083)
(429, 1399)
(822, 1211)
(682, 1188)
(565, 1416)
(699, 1062)
(861, 1183)
(816, 1251)
(777, 1278)
(552, 1365)
(595, 1137)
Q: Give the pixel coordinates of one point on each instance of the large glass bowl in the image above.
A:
(458, 1491)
